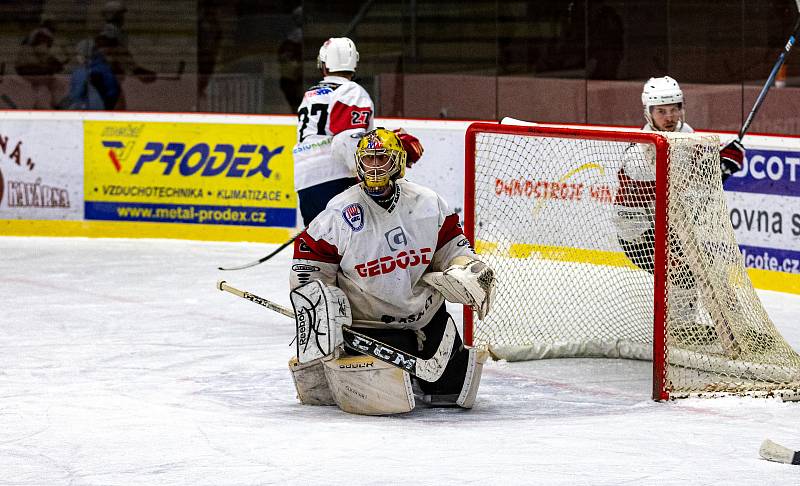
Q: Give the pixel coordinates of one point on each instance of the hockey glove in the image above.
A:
(466, 281)
(411, 145)
(731, 158)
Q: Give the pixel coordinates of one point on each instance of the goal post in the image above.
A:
(617, 243)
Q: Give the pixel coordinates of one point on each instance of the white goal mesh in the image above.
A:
(618, 244)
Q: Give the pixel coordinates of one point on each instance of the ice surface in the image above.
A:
(121, 364)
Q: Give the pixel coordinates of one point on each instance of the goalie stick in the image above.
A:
(772, 75)
(430, 369)
(263, 259)
(775, 452)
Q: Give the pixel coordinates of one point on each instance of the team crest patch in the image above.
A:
(354, 216)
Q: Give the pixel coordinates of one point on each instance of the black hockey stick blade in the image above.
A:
(426, 369)
(262, 259)
(775, 452)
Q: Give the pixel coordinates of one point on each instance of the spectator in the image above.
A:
(92, 84)
(38, 60)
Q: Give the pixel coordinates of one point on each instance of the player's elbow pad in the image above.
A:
(466, 281)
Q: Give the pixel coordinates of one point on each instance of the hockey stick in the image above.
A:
(263, 259)
(223, 285)
(430, 369)
(772, 75)
(775, 452)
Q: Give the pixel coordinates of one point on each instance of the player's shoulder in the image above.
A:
(421, 196)
(350, 195)
(349, 88)
(322, 88)
(346, 207)
(413, 189)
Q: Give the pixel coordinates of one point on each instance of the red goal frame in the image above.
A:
(661, 146)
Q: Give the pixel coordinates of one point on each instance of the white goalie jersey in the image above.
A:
(378, 256)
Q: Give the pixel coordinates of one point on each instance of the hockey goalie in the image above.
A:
(381, 259)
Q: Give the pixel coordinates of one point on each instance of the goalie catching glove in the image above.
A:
(465, 281)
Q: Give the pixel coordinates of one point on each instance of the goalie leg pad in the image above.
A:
(310, 382)
(472, 380)
(458, 385)
(465, 398)
(367, 386)
(320, 311)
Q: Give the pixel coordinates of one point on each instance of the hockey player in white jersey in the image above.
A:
(664, 110)
(332, 117)
(662, 99)
(375, 241)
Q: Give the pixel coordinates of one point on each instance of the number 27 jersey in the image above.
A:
(334, 106)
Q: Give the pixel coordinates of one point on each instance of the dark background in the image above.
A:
(544, 60)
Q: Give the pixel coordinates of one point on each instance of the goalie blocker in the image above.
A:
(327, 373)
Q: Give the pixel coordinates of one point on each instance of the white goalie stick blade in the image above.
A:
(775, 452)
(426, 369)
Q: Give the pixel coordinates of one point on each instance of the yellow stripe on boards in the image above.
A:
(778, 281)
(556, 253)
(118, 229)
(761, 279)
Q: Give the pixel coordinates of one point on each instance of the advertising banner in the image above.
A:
(41, 170)
(191, 173)
(764, 204)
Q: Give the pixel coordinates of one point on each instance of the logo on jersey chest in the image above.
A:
(396, 238)
(388, 264)
(354, 216)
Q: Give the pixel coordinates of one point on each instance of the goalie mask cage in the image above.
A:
(591, 263)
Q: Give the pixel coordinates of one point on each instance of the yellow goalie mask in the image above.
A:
(380, 159)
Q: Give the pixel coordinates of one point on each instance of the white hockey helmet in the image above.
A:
(660, 91)
(338, 54)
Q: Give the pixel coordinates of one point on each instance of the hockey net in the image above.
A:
(549, 209)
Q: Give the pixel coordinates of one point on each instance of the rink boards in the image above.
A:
(230, 178)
